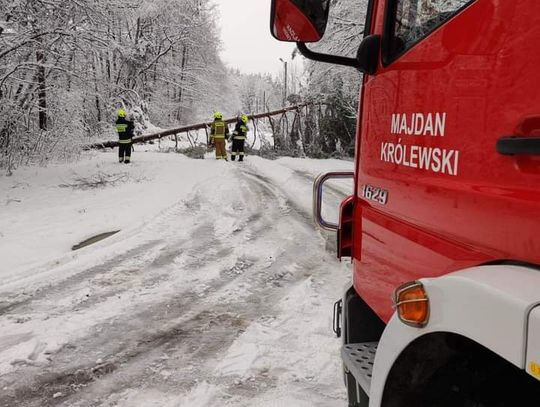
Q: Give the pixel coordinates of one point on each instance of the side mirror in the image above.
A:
(368, 54)
(299, 20)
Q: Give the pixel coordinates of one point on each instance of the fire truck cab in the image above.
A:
(443, 225)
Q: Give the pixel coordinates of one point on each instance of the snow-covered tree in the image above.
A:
(331, 126)
(66, 66)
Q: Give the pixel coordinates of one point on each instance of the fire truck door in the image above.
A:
(453, 80)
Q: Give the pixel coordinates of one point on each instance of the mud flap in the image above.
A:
(345, 230)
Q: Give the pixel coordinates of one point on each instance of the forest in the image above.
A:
(67, 66)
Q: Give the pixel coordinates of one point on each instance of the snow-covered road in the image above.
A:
(222, 297)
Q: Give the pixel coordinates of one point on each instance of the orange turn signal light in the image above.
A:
(412, 304)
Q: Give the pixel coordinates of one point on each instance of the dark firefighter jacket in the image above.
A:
(240, 131)
(219, 130)
(125, 129)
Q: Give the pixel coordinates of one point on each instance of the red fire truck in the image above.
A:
(443, 225)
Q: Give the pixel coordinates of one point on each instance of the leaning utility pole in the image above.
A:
(194, 127)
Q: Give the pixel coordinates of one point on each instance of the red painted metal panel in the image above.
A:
(476, 78)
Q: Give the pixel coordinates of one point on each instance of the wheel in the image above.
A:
(480, 383)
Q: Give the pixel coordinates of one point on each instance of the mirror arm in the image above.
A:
(331, 59)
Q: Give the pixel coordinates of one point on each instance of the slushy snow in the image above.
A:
(216, 290)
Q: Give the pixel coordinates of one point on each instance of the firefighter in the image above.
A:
(219, 132)
(124, 128)
(239, 138)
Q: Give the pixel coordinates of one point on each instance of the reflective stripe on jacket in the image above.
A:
(219, 130)
(240, 131)
(124, 128)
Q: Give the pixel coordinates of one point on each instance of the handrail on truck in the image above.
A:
(317, 197)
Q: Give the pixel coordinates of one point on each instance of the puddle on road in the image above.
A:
(94, 239)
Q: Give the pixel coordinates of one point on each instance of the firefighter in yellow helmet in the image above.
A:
(124, 128)
(239, 137)
(219, 132)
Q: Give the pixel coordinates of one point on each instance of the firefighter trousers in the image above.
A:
(237, 150)
(124, 152)
(221, 154)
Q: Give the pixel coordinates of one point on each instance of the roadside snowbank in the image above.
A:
(45, 211)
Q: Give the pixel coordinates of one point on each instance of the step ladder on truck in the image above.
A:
(443, 225)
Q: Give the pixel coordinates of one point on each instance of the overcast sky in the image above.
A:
(247, 42)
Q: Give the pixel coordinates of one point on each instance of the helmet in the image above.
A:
(218, 115)
(121, 113)
(245, 118)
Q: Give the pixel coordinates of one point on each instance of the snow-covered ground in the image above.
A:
(217, 289)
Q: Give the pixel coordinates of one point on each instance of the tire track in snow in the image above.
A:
(200, 235)
(20, 303)
(11, 302)
(185, 334)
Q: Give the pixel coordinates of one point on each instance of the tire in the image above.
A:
(480, 383)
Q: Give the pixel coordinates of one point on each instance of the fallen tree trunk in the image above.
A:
(185, 129)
